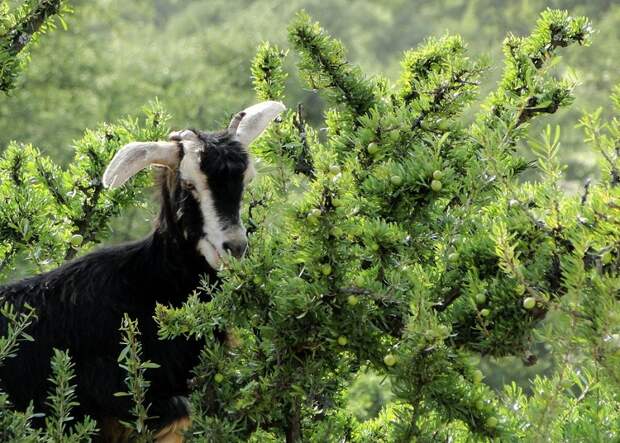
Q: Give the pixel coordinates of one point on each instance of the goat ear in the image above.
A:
(252, 121)
(134, 157)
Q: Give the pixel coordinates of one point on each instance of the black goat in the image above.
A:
(80, 305)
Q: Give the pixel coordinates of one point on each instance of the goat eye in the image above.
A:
(189, 186)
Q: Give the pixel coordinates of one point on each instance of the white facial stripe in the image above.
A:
(190, 171)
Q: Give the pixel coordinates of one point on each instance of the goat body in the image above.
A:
(79, 308)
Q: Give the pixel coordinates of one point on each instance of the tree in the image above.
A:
(414, 248)
(20, 27)
(400, 239)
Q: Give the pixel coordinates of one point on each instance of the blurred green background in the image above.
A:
(194, 57)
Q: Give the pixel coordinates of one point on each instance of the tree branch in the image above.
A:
(22, 33)
(293, 426)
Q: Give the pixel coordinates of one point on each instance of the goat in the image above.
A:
(80, 304)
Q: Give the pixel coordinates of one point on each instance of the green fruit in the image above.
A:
(342, 340)
(374, 247)
(314, 215)
(477, 376)
(481, 298)
(606, 258)
(436, 185)
(389, 360)
(334, 169)
(485, 312)
(76, 240)
(520, 289)
(396, 180)
(453, 256)
(437, 175)
(479, 404)
(373, 148)
(326, 269)
(360, 281)
(491, 422)
(352, 300)
(219, 378)
(529, 303)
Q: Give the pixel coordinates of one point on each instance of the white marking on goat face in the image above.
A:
(217, 234)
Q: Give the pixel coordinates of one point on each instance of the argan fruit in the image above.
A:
(389, 360)
(352, 300)
(529, 303)
(76, 240)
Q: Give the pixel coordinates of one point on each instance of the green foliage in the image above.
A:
(424, 221)
(268, 73)
(60, 401)
(12, 423)
(434, 72)
(405, 239)
(17, 426)
(19, 28)
(323, 66)
(49, 213)
(524, 84)
(16, 329)
(603, 138)
(367, 395)
(130, 359)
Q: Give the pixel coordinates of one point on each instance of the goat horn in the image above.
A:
(234, 123)
(134, 157)
(255, 120)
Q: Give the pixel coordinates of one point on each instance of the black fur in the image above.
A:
(224, 162)
(80, 305)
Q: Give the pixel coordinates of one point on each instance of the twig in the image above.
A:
(304, 163)
(586, 191)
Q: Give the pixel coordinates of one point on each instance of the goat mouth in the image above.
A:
(211, 254)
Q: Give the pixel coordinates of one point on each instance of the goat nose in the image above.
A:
(235, 248)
